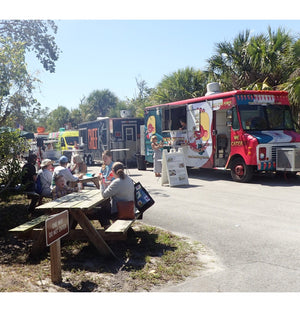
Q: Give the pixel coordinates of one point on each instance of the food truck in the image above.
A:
(244, 131)
(65, 140)
(119, 135)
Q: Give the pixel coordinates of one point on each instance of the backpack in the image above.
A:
(38, 185)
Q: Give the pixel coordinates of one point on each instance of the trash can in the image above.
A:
(141, 163)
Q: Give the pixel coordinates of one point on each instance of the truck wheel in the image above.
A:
(89, 160)
(240, 172)
(85, 159)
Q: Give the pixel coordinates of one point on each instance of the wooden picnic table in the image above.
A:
(77, 204)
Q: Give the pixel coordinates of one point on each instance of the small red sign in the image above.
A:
(57, 226)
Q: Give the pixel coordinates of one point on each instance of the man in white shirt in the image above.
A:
(45, 176)
(64, 171)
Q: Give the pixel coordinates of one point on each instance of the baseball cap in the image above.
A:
(63, 160)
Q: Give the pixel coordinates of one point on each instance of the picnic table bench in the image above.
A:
(29, 225)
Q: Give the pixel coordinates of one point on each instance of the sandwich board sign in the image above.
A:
(174, 169)
(57, 226)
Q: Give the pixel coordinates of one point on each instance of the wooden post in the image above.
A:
(55, 258)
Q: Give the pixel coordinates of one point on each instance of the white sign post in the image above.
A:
(57, 226)
(174, 169)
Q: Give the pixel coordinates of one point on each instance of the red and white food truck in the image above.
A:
(244, 131)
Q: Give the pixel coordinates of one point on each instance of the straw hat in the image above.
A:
(46, 162)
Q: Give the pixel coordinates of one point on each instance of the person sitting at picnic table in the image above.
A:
(65, 172)
(61, 189)
(120, 189)
(45, 175)
(29, 176)
(106, 175)
(79, 166)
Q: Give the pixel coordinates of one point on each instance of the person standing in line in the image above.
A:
(157, 155)
(106, 175)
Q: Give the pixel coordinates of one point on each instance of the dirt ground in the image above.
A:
(147, 260)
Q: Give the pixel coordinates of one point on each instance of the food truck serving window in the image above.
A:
(171, 117)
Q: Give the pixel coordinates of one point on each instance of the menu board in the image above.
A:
(174, 169)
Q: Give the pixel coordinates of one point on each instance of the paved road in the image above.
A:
(251, 232)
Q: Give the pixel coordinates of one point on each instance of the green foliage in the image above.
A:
(98, 103)
(248, 60)
(292, 86)
(141, 100)
(58, 118)
(16, 83)
(75, 117)
(17, 37)
(11, 147)
(37, 36)
(115, 112)
(183, 84)
(230, 66)
(35, 119)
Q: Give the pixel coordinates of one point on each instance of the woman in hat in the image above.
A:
(45, 176)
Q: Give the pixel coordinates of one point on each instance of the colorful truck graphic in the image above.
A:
(121, 135)
(244, 131)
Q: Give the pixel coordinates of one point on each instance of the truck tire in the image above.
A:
(240, 172)
(89, 160)
(85, 159)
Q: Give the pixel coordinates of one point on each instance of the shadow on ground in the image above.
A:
(270, 179)
(131, 254)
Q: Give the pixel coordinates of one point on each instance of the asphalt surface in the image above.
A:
(250, 232)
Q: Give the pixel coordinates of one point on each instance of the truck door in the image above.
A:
(130, 139)
(222, 138)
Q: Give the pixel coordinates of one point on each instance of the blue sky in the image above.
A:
(107, 45)
(111, 54)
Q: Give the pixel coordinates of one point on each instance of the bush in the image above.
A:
(12, 146)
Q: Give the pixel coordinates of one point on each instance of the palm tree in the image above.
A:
(98, 103)
(230, 66)
(292, 86)
(258, 60)
(183, 84)
(271, 56)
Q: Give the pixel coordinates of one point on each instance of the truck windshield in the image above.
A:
(266, 117)
(71, 140)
